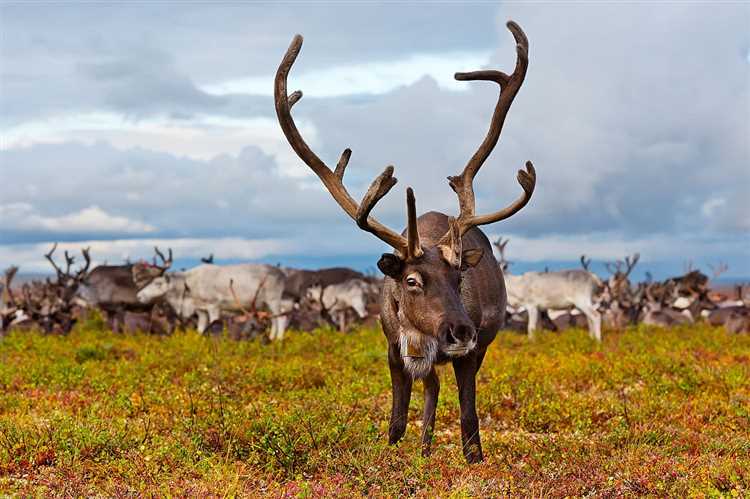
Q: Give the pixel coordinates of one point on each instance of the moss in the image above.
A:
(648, 412)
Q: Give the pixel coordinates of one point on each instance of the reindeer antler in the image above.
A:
(463, 184)
(585, 262)
(69, 261)
(81, 273)
(48, 256)
(333, 180)
(166, 262)
(631, 262)
(8, 297)
(500, 245)
(718, 269)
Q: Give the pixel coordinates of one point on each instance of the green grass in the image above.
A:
(649, 412)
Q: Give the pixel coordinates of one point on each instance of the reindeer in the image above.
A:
(444, 296)
(622, 304)
(562, 289)
(113, 288)
(251, 321)
(339, 298)
(52, 305)
(656, 309)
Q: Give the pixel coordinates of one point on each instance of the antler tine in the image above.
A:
(463, 184)
(237, 301)
(253, 304)
(69, 261)
(585, 263)
(332, 180)
(10, 273)
(87, 258)
(48, 256)
(631, 263)
(166, 262)
(413, 249)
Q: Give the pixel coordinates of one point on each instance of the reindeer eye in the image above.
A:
(414, 281)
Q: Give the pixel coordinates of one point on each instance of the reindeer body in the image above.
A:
(563, 289)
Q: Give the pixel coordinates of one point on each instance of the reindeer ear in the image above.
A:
(391, 265)
(471, 257)
(451, 252)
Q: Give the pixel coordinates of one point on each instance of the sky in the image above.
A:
(140, 124)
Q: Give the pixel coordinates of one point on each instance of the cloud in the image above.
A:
(372, 77)
(201, 136)
(90, 220)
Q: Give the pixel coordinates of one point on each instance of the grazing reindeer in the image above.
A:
(657, 310)
(562, 289)
(113, 288)
(444, 295)
(339, 298)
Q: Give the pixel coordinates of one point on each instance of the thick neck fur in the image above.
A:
(418, 350)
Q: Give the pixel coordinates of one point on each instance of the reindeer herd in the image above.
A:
(578, 297)
(443, 298)
(246, 299)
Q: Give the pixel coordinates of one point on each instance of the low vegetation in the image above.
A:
(649, 411)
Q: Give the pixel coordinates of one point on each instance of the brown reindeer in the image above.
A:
(444, 296)
(618, 294)
(51, 305)
(113, 289)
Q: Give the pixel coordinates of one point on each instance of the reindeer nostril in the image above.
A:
(463, 332)
(450, 338)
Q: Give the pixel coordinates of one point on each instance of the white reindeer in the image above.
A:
(338, 298)
(563, 289)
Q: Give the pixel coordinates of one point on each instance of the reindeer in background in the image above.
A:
(553, 290)
(52, 305)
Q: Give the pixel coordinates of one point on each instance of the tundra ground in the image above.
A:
(649, 411)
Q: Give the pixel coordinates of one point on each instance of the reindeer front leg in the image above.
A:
(431, 392)
(465, 369)
(533, 320)
(401, 384)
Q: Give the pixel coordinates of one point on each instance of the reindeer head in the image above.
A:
(618, 285)
(144, 272)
